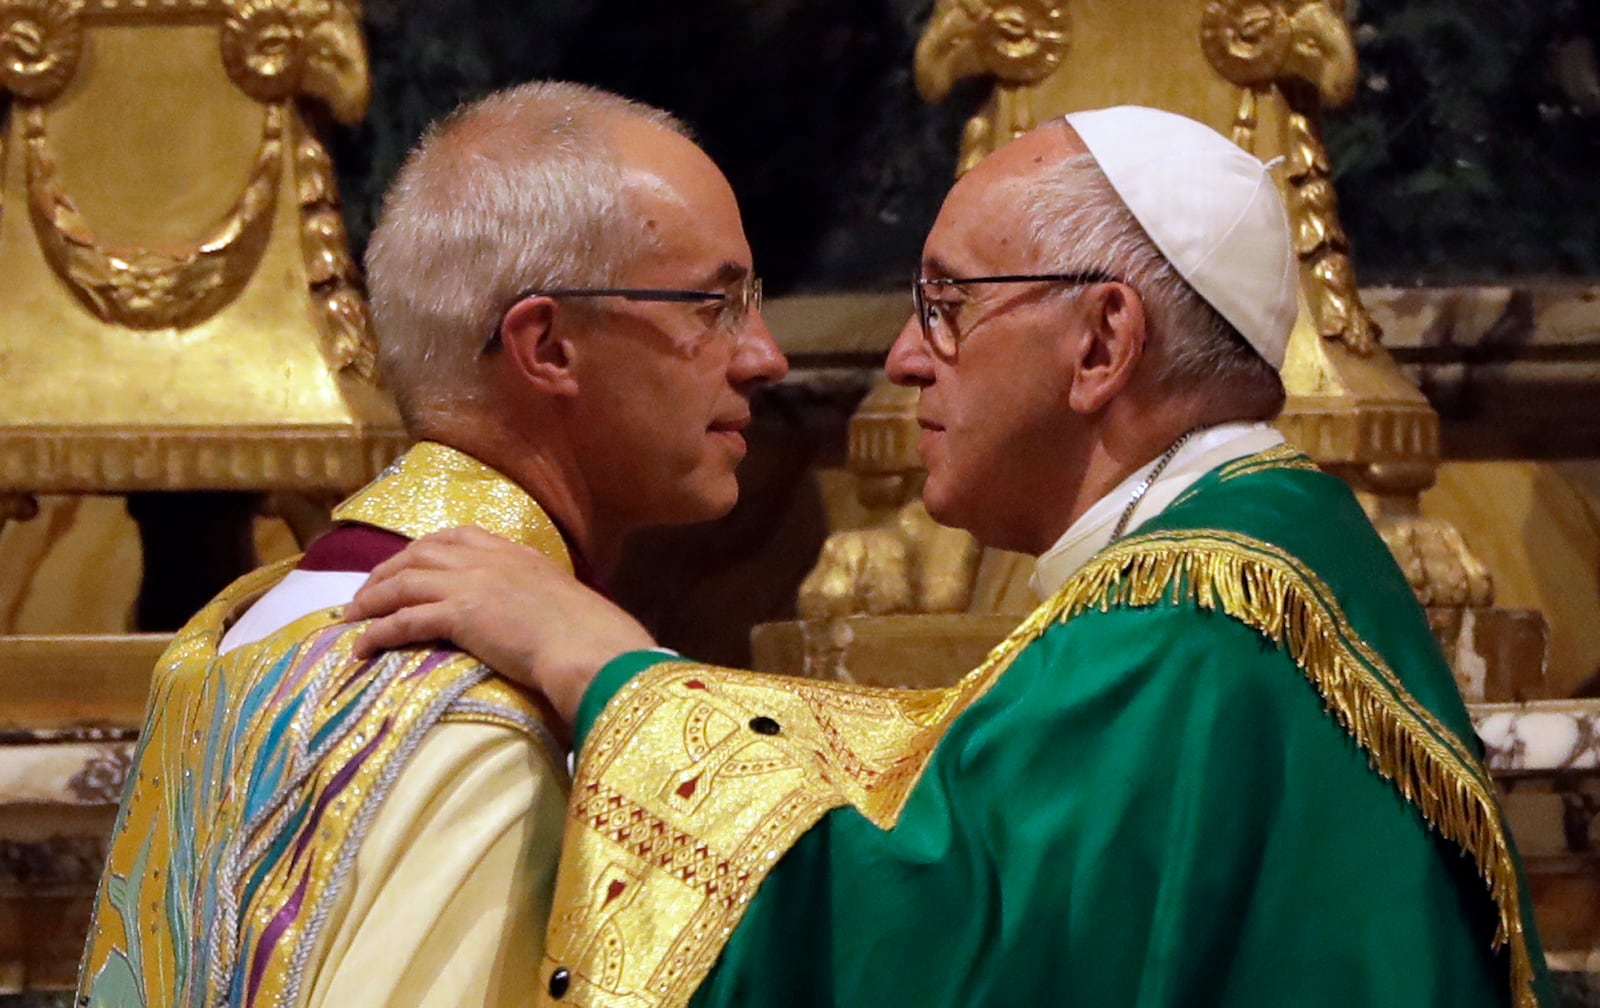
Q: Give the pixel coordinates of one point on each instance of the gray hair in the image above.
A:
(1078, 222)
(519, 189)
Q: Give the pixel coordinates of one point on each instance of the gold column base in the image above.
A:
(101, 460)
(913, 652)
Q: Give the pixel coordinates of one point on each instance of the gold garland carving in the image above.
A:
(1320, 242)
(336, 292)
(1252, 44)
(1268, 590)
(147, 288)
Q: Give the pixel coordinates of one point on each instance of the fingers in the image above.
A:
(415, 625)
(404, 586)
(452, 547)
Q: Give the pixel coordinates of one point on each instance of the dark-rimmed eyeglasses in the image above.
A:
(737, 302)
(938, 319)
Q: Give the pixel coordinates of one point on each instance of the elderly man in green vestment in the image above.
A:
(1223, 763)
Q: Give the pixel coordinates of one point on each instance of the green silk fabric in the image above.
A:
(1150, 807)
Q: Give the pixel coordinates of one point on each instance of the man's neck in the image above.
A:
(1144, 493)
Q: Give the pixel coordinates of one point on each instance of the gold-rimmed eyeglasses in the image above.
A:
(937, 316)
(737, 302)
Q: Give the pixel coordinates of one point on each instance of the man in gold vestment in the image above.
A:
(569, 319)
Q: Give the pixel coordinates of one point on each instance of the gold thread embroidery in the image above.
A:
(349, 739)
(678, 795)
(1282, 456)
(434, 487)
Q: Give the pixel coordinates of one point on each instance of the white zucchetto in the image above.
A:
(1210, 207)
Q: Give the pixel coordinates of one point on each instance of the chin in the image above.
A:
(710, 503)
(943, 510)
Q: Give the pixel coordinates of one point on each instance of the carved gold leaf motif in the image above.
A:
(1023, 41)
(150, 288)
(1245, 39)
(40, 42)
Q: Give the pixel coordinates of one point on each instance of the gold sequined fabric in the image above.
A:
(434, 487)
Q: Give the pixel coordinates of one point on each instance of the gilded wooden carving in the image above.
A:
(274, 51)
(182, 308)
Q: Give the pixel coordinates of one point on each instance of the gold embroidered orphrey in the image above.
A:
(682, 804)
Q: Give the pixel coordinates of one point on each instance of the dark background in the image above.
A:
(1470, 152)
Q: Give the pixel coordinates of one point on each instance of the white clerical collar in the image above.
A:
(1093, 531)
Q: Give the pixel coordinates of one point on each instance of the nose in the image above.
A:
(756, 358)
(909, 363)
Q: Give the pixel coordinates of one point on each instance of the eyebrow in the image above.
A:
(725, 275)
(935, 268)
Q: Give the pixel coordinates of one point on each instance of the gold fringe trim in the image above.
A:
(1271, 592)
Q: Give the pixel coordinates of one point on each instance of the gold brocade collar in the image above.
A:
(433, 487)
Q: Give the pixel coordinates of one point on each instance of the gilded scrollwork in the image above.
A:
(40, 44)
(1019, 43)
(263, 48)
(275, 50)
(1246, 40)
(148, 288)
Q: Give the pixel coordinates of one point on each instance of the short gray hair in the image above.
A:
(1078, 222)
(519, 189)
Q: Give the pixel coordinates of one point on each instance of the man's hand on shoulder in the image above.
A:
(507, 604)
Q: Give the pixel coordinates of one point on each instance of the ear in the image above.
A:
(1111, 345)
(533, 349)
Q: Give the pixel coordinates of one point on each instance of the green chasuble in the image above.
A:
(1225, 765)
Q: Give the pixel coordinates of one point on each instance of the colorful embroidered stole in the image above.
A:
(259, 771)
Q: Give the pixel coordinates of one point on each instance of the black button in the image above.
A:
(764, 726)
(560, 980)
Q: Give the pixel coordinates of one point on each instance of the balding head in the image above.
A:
(524, 188)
